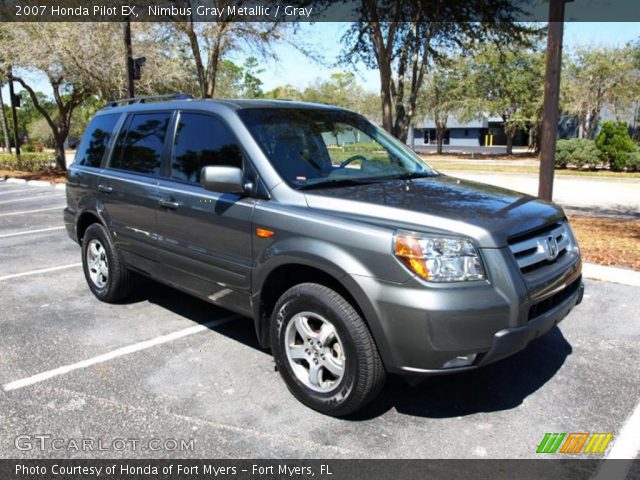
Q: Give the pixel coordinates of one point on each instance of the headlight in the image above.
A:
(438, 259)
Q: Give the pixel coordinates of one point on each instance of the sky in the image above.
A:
(294, 68)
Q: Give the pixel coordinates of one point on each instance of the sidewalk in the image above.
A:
(603, 273)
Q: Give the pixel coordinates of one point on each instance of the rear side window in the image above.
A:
(95, 140)
(202, 140)
(140, 144)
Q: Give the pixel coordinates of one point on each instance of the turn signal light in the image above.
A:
(264, 233)
(409, 251)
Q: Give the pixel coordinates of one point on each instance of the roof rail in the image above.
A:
(134, 100)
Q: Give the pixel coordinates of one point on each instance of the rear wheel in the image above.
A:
(106, 275)
(324, 350)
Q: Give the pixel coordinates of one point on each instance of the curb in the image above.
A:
(33, 183)
(622, 276)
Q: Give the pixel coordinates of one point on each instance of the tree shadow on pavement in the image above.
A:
(499, 386)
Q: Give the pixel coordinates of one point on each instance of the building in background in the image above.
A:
(478, 132)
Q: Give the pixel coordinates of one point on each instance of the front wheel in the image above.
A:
(324, 351)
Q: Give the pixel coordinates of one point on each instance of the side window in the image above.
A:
(95, 140)
(140, 144)
(202, 140)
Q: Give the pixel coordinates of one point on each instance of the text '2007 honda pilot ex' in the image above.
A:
(352, 256)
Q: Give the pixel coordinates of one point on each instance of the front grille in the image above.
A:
(554, 300)
(541, 247)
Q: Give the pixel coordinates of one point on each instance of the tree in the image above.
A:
(403, 39)
(81, 63)
(54, 50)
(443, 95)
(508, 83)
(206, 44)
(594, 77)
(615, 144)
(284, 92)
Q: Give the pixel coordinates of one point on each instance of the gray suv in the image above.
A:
(353, 257)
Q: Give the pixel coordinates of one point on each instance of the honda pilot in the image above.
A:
(351, 255)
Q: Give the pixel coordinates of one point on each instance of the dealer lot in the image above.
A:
(166, 366)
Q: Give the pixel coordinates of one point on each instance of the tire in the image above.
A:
(108, 278)
(324, 350)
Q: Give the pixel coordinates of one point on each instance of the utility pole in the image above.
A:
(129, 57)
(14, 113)
(551, 98)
(3, 120)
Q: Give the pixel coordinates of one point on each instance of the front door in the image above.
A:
(204, 237)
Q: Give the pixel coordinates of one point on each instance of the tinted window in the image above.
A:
(310, 148)
(140, 144)
(95, 140)
(202, 140)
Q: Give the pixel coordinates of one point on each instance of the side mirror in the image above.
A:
(222, 179)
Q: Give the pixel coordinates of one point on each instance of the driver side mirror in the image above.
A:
(222, 179)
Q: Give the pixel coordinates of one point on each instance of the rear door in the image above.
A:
(204, 236)
(129, 186)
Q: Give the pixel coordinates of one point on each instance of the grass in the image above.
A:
(530, 169)
(608, 241)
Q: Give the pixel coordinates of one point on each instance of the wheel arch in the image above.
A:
(289, 272)
(85, 220)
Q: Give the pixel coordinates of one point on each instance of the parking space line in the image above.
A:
(27, 199)
(42, 270)
(21, 212)
(626, 447)
(627, 444)
(136, 347)
(27, 232)
(31, 189)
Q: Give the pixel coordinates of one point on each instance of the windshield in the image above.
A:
(321, 148)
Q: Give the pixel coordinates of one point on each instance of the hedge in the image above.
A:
(28, 162)
(579, 153)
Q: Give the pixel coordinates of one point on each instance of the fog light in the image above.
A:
(462, 361)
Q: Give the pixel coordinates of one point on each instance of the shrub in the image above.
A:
(633, 161)
(615, 144)
(577, 152)
(28, 162)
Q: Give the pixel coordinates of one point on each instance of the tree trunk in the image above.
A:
(61, 162)
(385, 97)
(440, 138)
(5, 129)
(510, 143)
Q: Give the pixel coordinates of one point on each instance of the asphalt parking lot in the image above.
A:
(166, 366)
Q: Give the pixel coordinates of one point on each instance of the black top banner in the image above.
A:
(314, 10)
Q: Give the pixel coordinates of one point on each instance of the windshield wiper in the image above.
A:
(337, 182)
(410, 176)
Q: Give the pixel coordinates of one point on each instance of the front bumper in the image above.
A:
(419, 329)
(511, 340)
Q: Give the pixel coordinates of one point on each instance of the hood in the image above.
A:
(440, 203)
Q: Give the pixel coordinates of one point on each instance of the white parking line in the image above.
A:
(17, 190)
(27, 232)
(625, 447)
(38, 197)
(136, 347)
(30, 211)
(42, 270)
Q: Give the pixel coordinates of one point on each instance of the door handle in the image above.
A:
(166, 203)
(105, 188)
